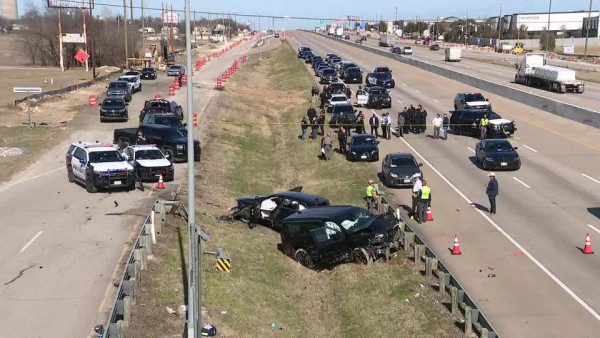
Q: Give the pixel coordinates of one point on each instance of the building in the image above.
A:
(8, 9)
(564, 24)
(593, 33)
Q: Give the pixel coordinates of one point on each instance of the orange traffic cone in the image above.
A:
(587, 249)
(429, 216)
(93, 101)
(157, 96)
(456, 248)
(161, 183)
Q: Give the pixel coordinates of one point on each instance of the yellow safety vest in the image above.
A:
(484, 122)
(425, 191)
(371, 191)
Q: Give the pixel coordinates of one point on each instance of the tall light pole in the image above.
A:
(125, 30)
(587, 30)
(548, 30)
(396, 15)
(499, 26)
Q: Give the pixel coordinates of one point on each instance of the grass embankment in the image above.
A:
(254, 148)
(34, 141)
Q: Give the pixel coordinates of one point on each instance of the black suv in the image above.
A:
(161, 117)
(382, 79)
(149, 73)
(467, 122)
(171, 141)
(114, 108)
(119, 88)
(273, 209)
(352, 75)
(349, 115)
(327, 76)
(324, 236)
(379, 98)
(160, 104)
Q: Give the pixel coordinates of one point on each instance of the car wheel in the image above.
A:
(89, 185)
(362, 256)
(102, 120)
(70, 174)
(301, 256)
(169, 154)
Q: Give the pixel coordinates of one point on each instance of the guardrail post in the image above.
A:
(484, 333)
(140, 256)
(454, 300)
(126, 310)
(146, 242)
(419, 251)
(428, 268)
(160, 220)
(442, 282)
(409, 239)
(468, 322)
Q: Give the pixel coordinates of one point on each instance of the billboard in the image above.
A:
(73, 38)
(84, 4)
(171, 17)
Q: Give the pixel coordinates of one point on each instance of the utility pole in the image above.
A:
(143, 33)
(396, 15)
(467, 29)
(125, 30)
(499, 26)
(587, 31)
(548, 30)
(60, 43)
(92, 45)
(87, 68)
(261, 40)
(132, 29)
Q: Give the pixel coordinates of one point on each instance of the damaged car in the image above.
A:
(324, 236)
(273, 209)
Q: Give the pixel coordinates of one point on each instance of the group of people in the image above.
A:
(314, 121)
(386, 125)
(412, 120)
(327, 92)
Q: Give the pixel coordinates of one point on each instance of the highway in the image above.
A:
(59, 245)
(543, 285)
(497, 73)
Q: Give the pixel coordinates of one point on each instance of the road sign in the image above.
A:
(83, 4)
(27, 89)
(171, 17)
(81, 56)
(73, 38)
(569, 49)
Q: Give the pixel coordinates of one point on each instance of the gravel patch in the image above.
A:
(10, 151)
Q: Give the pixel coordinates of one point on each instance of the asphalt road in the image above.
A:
(543, 284)
(497, 73)
(59, 245)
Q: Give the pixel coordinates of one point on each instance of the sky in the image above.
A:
(386, 9)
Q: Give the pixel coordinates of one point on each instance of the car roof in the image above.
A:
(331, 211)
(144, 147)
(363, 136)
(338, 95)
(119, 81)
(490, 140)
(303, 197)
(401, 155)
(127, 76)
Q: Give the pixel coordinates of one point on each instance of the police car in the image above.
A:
(98, 166)
(381, 77)
(149, 162)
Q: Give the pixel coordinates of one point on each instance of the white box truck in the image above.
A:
(339, 32)
(534, 72)
(453, 54)
(331, 31)
(387, 40)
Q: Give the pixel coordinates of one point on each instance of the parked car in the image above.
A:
(135, 84)
(271, 210)
(336, 99)
(378, 98)
(149, 73)
(435, 46)
(467, 122)
(471, 101)
(407, 50)
(352, 75)
(381, 76)
(345, 110)
(114, 108)
(398, 169)
(119, 88)
(149, 163)
(322, 237)
(497, 154)
(161, 104)
(327, 75)
(363, 147)
(176, 70)
(338, 87)
(161, 117)
(396, 50)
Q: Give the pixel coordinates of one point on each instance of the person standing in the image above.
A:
(384, 126)
(414, 119)
(323, 97)
(371, 196)
(360, 123)
(445, 126)
(327, 145)
(483, 126)
(321, 121)
(348, 93)
(311, 112)
(342, 140)
(492, 192)
(314, 127)
(374, 123)
(423, 121)
(424, 202)
(304, 125)
(437, 125)
(389, 125)
(401, 121)
(417, 184)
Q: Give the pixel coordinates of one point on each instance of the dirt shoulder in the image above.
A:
(254, 148)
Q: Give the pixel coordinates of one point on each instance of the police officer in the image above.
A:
(483, 126)
(424, 202)
(321, 121)
(401, 121)
(360, 123)
(311, 112)
(371, 196)
(417, 184)
(342, 139)
(304, 125)
(323, 97)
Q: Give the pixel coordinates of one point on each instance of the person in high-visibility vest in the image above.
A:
(371, 196)
(483, 126)
(424, 202)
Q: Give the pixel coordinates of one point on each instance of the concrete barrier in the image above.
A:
(569, 111)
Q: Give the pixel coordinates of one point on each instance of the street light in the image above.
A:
(587, 31)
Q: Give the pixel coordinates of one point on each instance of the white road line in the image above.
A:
(31, 241)
(404, 84)
(591, 178)
(30, 178)
(523, 183)
(435, 100)
(473, 151)
(593, 228)
(512, 240)
(418, 91)
(535, 151)
(399, 101)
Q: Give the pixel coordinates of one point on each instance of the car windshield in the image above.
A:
(339, 98)
(492, 116)
(132, 73)
(474, 97)
(160, 104)
(382, 69)
(148, 70)
(116, 85)
(363, 141)
(113, 102)
(498, 146)
(343, 108)
(105, 156)
(353, 70)
(174, 68)
(128, 79)
(175, 133)
(402, 162)
(150, 154)
(382, 76)
(407, 48)
(328, 71)
(167, 120)
(355, 220)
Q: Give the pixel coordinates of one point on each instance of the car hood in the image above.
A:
(405, 171)
(107, 108)
(500, 121)
(380, 225)
(163, 162)
(503, 154)
(250, 199)
(478, 103)
(111, 166)
(363, 148)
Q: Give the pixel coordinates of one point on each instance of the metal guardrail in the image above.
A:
(460, 299)
(67, 89)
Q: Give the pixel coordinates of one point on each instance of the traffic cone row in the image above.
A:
(93, 101)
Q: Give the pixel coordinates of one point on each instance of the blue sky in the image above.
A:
(338, 8)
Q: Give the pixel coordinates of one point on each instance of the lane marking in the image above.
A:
(399, 101)
(473, 151)
(535, 151)
(404, 84)
(523, 183)
(593, 228)
(591, 178)
(512, 240)
(416, 90)
(435, 100)
(30, 178)
(31, 241)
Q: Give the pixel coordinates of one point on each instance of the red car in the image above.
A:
(434, 47)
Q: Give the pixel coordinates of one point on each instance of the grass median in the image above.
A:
(253, 148)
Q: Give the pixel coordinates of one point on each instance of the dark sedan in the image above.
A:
(497, 154)
(396, 50)
(378, 98)
(434, 47)
(114, 109)
(353, 75)
(363, 147)
(148, 73)
(398, 169)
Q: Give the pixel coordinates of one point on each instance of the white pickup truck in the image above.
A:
(133, 81)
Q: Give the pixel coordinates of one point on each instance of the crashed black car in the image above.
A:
(273, 209)
(324, 236)
(379, 98)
